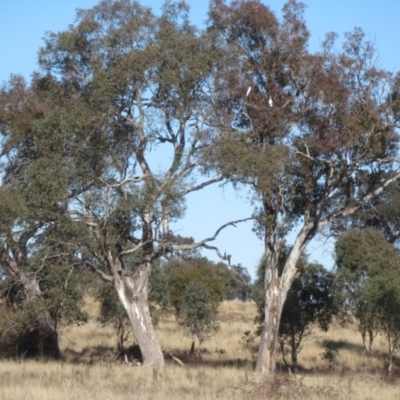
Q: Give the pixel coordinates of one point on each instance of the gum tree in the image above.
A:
(37, 183)
(361, 256)
(143, 81)
(312, 135)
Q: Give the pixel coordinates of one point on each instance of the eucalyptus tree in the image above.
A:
(311, 302)
(314, 136)
(37, 182)
(144, 81)
(384, 294)
(367, 273)
(381, 213)
(362, 256)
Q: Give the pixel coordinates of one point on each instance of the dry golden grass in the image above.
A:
(222, 369)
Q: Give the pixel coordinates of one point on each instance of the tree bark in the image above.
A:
(367, 341)
(191, 352)
(274, 301)
(276, 289)
(364, 339)
(138, 312)
(294, 352)
(371, 339)
(143, 330)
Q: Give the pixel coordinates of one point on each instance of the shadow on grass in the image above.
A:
(101, 354)
(132, 355)
(199, 359)
(382, 356)
(343, 344)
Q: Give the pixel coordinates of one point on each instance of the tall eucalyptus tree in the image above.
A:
(37, 182)
(143, 81)
(313, 135)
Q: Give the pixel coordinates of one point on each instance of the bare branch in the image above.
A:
(134, 179)
(177, 360)
(132, 250)
(203, 243)
(345, 211)
(201, 185)
(105, 276)
(225, 257)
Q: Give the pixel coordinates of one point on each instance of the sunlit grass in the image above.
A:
(222, 368)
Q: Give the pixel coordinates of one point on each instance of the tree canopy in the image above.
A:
(132, 111)
(313, 135)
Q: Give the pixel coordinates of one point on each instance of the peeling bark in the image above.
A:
(142, 326)
(133, 294)
(276, 290)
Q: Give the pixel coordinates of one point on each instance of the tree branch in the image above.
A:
(201, 185)
(345, 211)
(203, 243)
(105, 276)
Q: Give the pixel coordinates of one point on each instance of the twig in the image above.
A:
(177, 360)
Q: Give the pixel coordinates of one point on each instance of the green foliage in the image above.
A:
(237, 282)
(368, 276)
(159, 286)
(361, 256)
(194, 287)
(31, 325)
(197, 313)
(310, 302)
(364, 251)
(383, 291)
(113, 313)
(185, 272)
(247, 341)
(331, 352)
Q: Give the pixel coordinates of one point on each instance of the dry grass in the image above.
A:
(222, 369)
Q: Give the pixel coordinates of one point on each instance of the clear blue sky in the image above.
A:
(24, 22)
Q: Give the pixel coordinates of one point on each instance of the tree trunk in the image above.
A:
(368, 342)
(137, 309)
(364, 339)
(49, 336)
(276, 290)
(294, 352)
(274, 301)
(283, 353)
(390, 366)
(191, 352)
(371, 340)
(42, 340)
(143, 330)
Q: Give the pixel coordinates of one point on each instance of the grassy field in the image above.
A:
(222, 368)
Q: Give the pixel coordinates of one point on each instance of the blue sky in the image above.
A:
(23, 24)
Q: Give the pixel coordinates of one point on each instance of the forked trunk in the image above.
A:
(368, 340)
(276, 289)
